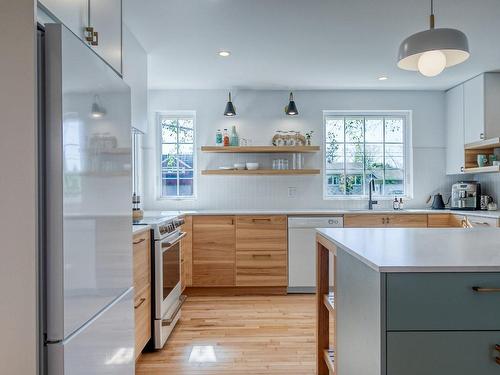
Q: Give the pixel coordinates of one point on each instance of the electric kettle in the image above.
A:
(438, 203)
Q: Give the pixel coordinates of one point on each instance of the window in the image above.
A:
(177, 159)
(360, 147)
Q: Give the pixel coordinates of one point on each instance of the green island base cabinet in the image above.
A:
(428, 319)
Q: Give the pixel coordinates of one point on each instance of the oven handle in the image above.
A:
(168, 245)
(167, 322)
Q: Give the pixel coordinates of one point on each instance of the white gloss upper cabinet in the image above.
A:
(72, 13)
(481, 108)
(455, 130)
(135, 74)
(104, 16)
(106, 19)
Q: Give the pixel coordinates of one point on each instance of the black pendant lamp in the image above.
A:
(291, 108)
(230, 110)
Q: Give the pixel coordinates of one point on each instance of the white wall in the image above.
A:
(18, 189)
(261, 113)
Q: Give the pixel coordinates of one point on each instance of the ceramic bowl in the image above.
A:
(239, 166)
(252, 166)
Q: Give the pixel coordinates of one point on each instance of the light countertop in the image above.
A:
(333, 212)
(421, 250)
(136, 229)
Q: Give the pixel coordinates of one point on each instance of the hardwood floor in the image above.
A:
(254, 335)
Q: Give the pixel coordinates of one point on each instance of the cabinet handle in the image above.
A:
(497, 359)
(387, 220)
(481, 135)
(485, 290)
(480, 223)
(261, 219)
(383, 220)
(261, 255)
(141, 301)
(461, 169)
(139, 241)
(92, 37)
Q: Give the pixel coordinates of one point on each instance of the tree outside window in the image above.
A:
(359, 148)
(177, 170)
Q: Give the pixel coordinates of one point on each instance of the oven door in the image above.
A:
(167, 273)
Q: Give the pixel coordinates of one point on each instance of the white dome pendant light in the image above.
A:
(433, 50)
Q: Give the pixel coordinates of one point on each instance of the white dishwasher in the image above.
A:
(302, 250)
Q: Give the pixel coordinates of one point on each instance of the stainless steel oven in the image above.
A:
(167, 279)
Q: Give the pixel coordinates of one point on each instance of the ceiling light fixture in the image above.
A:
(383, 78)
(224, 53)
(433, 50)
(97, 110)
(230, 110)
(291, 108)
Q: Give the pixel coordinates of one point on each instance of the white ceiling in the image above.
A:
(303, 44)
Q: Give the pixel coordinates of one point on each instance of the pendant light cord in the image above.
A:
(432, 15)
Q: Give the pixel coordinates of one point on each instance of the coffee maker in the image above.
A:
(466, 195)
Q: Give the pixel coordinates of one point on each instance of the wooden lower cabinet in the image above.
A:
(385, 221)
(187, 253)
(261, 250)
(142, 313)
(142, 289)
(406, 221)
(214, 248)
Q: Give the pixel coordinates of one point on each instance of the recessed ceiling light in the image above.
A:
(224, 53)
(383, 78)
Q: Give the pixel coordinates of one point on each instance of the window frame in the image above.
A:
(407, 150)
(159, 143)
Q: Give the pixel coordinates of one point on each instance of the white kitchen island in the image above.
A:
(411, 301)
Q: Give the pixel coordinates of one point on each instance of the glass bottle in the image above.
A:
(401, 204)
(226, 138)
(218, 138)
(395, 204)
(234, 140)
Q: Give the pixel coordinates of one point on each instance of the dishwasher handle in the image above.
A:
(316, 222)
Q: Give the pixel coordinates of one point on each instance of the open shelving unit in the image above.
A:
(325, 298)
(260, 149)
(487, 147)
(260, 172)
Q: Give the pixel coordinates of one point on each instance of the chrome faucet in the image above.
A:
(371, 188)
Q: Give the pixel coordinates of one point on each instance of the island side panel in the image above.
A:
(360, 301)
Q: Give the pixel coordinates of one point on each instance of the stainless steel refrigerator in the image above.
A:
(86, 178)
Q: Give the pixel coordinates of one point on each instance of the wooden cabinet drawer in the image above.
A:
(364, 220)
(406, 221)
(440, 353)
(261, 233)
(260, 268)
(142, 261)
(442, 301)
(142, 311)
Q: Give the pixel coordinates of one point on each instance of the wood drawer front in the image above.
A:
(442, 353)
(406, 221)
(259, 268)
(261, 233)
(207, 274)
(482, 222)
(142, 261)
(142, 311)
(439, 221)
(364, 221)
(442, 301)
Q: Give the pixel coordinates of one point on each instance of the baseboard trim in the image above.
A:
(236, 291)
